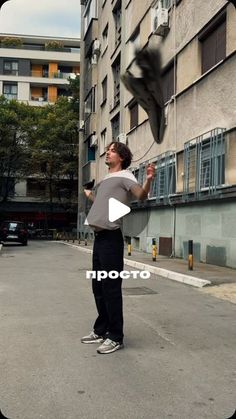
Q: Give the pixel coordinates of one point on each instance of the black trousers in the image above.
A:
(108, 255)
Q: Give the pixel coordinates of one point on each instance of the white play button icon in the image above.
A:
(116, 210)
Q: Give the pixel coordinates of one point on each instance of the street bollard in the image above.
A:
(85, 240)
(154, 250)
(129, 246)
(190, 255)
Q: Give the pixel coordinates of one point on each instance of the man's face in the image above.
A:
(112, 157)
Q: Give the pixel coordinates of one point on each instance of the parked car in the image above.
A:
(14, 231)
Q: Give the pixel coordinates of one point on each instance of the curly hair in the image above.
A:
(124, 153)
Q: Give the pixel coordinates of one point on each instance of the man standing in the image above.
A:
(108, 250)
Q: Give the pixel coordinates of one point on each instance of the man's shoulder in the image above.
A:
(123, 174)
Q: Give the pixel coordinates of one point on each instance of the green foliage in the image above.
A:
(54, 46)
(74, 92)
(15, 128)
(9, 42)
(55, 146)
(39, 142)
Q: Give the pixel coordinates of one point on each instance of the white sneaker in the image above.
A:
(92, 338)
(109, 346)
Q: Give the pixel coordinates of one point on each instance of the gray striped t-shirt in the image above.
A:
(115, 185)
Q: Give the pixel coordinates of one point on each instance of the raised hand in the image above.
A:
(150, 171)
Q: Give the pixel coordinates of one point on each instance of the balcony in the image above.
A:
(40, 48)
(91, 34)
(88, 172)
(90, 125)
(51, 74)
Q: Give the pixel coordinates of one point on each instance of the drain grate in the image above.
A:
(138, 291)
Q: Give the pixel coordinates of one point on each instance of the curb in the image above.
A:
(174, 276)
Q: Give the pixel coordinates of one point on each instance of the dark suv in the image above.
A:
(14, 231)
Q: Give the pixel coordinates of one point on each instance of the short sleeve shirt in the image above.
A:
(115, 185)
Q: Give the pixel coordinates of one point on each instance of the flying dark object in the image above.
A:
(2, 416)
(2, 2)
(147, 90)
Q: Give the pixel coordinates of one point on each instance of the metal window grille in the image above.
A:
(204, 164)
(164, 183)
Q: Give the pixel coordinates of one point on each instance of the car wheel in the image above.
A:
(24, 243)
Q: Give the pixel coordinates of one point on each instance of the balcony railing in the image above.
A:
(51, 74)
(39, 99)
(41, 48)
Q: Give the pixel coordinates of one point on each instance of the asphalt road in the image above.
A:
(179, 359)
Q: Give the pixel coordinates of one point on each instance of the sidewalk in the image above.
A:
(176, 269)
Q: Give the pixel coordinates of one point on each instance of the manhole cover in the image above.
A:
(138, 291)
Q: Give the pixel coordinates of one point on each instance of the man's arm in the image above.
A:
(89, 194)
(141, 192)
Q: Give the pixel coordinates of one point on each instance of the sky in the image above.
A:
(41, 17)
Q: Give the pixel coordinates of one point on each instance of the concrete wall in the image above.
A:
(23, 91)
(211, 226)
(20, 188)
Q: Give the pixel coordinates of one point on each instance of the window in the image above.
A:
(164, 183)
(10, 67)
(166, 3)
(115, 126)
(90, 102)
(90, 151)
(204, 162)
(10, 91)
(168, 83)
(35, 188)
(104, 90)
(134, 44)
(213, 43)
(105, 39)
(133, 109)
(7, 186)
(103, 141)
(91, 12)
(116, 78)
(117, 18)
(212, 169)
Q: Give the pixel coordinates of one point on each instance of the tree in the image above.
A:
(54, 147)
(15, 129)
(74, 92)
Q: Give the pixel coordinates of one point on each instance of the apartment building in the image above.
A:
(35, 70)
(193, 194)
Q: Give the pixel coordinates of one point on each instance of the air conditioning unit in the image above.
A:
(122, 138)
(93, 140)
(94, 59)
(81, 125)
(160, 21)
(96, 47)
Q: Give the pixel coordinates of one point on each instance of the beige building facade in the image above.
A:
(193, 195)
